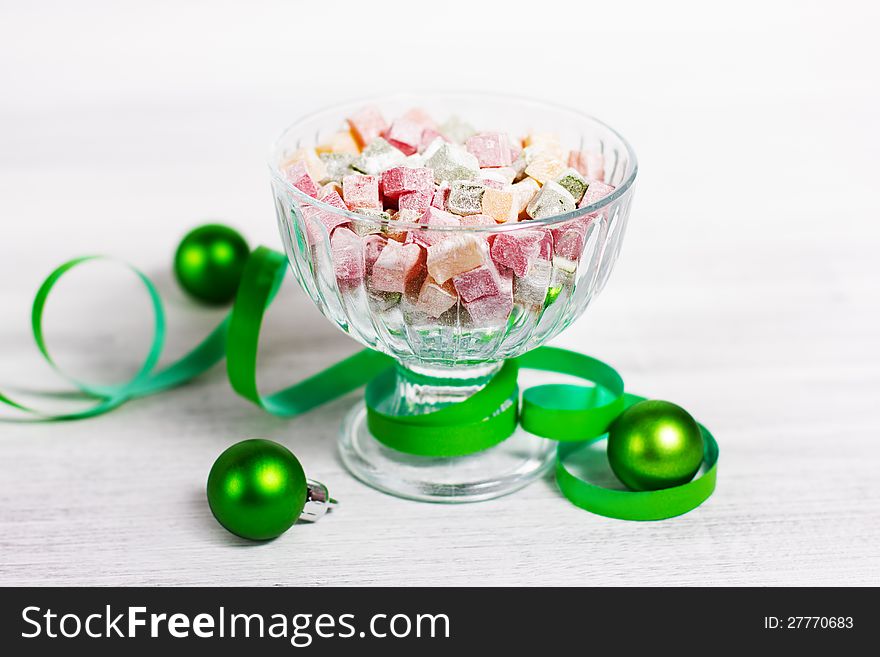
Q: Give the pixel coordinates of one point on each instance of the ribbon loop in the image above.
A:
(573, 415)
(638, 505)
(108, 397)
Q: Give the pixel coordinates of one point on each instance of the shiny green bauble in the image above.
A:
(654, 445)
(257, 489)
(209, 263)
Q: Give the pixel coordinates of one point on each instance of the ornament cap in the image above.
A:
(318, 502)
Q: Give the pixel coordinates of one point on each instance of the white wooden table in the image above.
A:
(747, 290)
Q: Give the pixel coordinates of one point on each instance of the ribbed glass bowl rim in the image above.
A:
(344, 107)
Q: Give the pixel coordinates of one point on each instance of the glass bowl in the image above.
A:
(443, 357)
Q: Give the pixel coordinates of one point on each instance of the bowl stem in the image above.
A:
(425, 388)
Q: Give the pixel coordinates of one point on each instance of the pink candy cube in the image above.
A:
(399, 267)
(435, 299)
(412, 205)
(298, 176)
(492, 149)
(314, 216)
(330, 196)
(428, 136)
(405, 135)
(491, 183)
(483, 281)
(570, 238)
(373, 245)
(348, 257)
(434, 218)
(399, 180)
(477, 220)
(517, 248)
(587, 164)
(314, 231)
(441, 196)
(366, 124)
(437, 217)
(577, 160)
(596, 190)
(495, 308)
(569, 242)
(361, 192)
(545, 249)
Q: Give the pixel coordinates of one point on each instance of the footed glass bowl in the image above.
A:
(447, 348)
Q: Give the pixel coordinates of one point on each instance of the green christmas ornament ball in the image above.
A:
(257, 489)
(209, 263)
(654, 445)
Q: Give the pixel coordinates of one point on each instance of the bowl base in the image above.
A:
(485, 475)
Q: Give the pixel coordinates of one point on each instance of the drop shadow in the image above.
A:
(208, 528)
(590, 463)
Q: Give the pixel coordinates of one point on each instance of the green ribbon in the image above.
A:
(145, 382)
(260, 282)
(573, 415)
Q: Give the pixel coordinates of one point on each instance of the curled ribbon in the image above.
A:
(575, 416)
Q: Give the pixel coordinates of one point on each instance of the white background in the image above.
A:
(747, 290)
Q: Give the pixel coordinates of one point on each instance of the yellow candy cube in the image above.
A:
(523, 192)
(455, 255)
(500, 205)
(545, 143)
(329, 188)
(340, 142)
(544, 168)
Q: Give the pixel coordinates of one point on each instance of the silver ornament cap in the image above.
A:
(318, 502)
